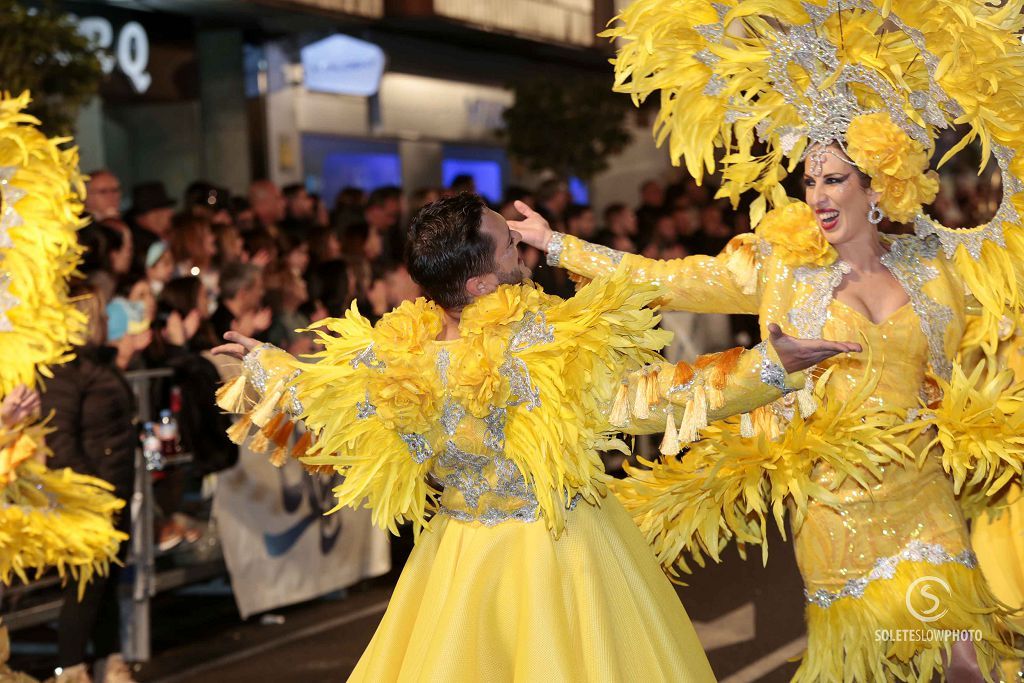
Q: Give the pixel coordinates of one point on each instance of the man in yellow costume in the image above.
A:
(524, 569)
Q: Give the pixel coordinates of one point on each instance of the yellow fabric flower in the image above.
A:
(897, 165)
(795, 236)
(476, 380)
(507, 304)
(409, 328)
(407, 398)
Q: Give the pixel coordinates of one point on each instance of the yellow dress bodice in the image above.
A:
(908, 504)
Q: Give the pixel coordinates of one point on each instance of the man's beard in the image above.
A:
(512, 277)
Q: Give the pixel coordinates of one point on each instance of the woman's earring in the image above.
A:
(875, 215)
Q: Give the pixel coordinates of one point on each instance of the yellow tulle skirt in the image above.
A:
(512, 603)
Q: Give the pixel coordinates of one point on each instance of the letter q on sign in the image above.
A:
(130, 54)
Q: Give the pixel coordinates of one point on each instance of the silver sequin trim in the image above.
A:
(419, 448)
(494, 438)
(365, 409)
(809, 317)
(467, 473)
(906, 261)
(555, 247)
(368, 358)
(531, 330)
(258, 377)
(451, 416)
(772, 374)
(614, 256)
(885, 568)
(444, 361)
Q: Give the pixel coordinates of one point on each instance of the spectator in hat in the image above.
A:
(150, 218)
(159, 266)
(212, 201)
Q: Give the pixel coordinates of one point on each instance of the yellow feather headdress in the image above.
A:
(748, 86)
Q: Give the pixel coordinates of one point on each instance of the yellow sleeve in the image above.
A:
(383, 469)
(715, 386)
(727, 283)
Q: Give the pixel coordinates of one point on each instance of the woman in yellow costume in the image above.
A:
(47, 518)
(523, 569)
(882, 456)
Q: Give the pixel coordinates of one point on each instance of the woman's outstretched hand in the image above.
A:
(800, 354)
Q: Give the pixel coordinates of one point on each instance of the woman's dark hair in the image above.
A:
(181, 294)
(100, 241)
(447, 247)
(328, 284)
(353, 239)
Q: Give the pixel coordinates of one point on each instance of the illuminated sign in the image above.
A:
(343, 65)
(129, 52)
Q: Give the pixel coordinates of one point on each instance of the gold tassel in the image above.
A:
(640, 406)
(670, 442)
(274, 424)
(620, 408)
(259, 442)
(239, 431)
(653, 386)
(805, 400)
(283, 433)
(278, 457)
(746, 426)
(263, 411)
(302, 445)
(231, 396)
(696, 416)
(716, 397)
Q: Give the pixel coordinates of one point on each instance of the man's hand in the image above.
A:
(534, 229)
(18, 405)
(237, 348)
(800, 354)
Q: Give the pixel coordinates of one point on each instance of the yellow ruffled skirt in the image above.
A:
(511, 603)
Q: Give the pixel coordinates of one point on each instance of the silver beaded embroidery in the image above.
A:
(365, 409)
(520, 384)
(885, 568)
(614, 256)
(772, 374)
(368, 358)
(494, 438)
(9, 196)
(467, 473)
(451, 416)
(419, 448)
(443, 362)
(906, 261)
(555, 247)
(809, 316)
(531, 330)
(254, 369)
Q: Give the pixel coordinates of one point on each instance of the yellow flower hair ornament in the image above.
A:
(898, 166)
(795, 236)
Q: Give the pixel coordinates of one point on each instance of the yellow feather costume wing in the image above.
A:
(47, 518)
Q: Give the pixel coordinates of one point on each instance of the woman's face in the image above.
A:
(142, 292)
(374, 246)
(163, 269)
(298, 259)
(833, 190)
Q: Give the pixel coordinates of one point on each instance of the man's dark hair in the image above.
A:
(235, 277)
(382, 195)
(576, 210)
(447, 247)
(613, 210)
(293, 189)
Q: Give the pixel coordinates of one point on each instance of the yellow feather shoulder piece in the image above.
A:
(575, 353)
(41, 195)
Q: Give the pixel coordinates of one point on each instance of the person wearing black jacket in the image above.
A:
(95, 433)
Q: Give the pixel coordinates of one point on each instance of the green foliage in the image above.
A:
(41, 52)
(571, 126)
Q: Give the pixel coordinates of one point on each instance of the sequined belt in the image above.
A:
(493, 516)
(885, 568)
